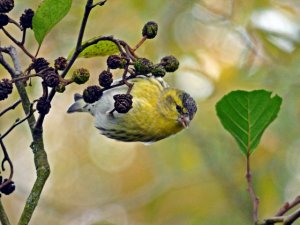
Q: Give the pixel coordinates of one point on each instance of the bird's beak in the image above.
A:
(185, 120)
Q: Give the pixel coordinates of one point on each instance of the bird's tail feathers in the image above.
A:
(79, 105)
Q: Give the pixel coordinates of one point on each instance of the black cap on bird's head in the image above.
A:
(187, 110)
(178, 105)
(190, 104)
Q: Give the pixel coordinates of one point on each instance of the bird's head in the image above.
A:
(179, 106)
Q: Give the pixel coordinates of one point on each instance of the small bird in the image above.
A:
(157, 112)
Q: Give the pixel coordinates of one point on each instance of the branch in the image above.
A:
(279, 218)
(78, 49)
(292, 218)
(3, 217)
(254, 198)
(17, 122)
(12, 107)
(19, 44)
(287, 206)
(6, 159)
(101, 3)
(285, 220)
(37, 145)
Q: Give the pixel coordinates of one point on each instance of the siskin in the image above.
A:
(157, 111)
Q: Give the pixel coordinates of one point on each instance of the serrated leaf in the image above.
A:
(246, 115)
(101, 48)
(48, 14)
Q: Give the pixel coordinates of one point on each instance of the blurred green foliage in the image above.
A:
(197, 176)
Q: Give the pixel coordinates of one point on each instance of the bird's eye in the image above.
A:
(179, 109)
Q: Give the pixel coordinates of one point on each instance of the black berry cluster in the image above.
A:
(60, 63)
(26, 19)
(43, 106)
(6, 6)
(132, 66)
(9, 188)
(92, 94)
(105, 79)
(6, 88)
(123, 102)
(40, 64)
(3, 20)
(51, 77)
(116, 62)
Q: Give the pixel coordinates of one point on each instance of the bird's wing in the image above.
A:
(145, 94)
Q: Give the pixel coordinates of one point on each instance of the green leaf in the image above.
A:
(49, 13)
(246, 115)
(101, 48)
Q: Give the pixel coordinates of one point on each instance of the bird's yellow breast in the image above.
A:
(145, 119)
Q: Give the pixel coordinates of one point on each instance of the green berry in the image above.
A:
(150, 30)
(170, 63)
(158, 71)
(143, 66)
(80, 76)
(60, 88)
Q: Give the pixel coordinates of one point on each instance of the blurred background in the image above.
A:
(196, 177)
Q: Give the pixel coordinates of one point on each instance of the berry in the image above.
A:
(26, 19)
(158, 71)
(6, 6)
(170, 63)
(123, 102)
(6, 88)
(115, 62)
(51, 78)
(43, 106)
(80, 76)
(3, 20)
(60, 63)
(60, 88)
(150, 30)
(92, 94)
(143, 66)
(8, 188)
(105, 79)
(40, 64)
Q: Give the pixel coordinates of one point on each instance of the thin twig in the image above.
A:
(78, 49)
(5, 64)
(287, 206)
(23, 37)
(285, 220)
(101, 3)
(18, 122)
(19, 44)
(24, 77)
(139, 44)
(253, 197)
(6, 158)
(15, 23)
(292, 218)
(12, 107)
